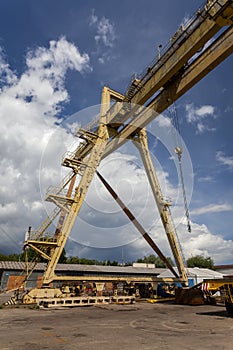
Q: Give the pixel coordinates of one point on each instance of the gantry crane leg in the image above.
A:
(141, 142)
(92, 163)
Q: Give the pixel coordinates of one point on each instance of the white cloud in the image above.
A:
(206, 179)
(212, 208)
(105, 36)
(202, 242)
(196, 116)
(105, 32)
(163, 122)
(28, 107)
(199, 242)
(224, 160)
(101, 60)
(6, 75)
(93, 18)
(205, 111)
(42, 82)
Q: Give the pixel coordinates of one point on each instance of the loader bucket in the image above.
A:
(189, 296)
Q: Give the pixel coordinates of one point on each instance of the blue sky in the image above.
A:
(88, 44)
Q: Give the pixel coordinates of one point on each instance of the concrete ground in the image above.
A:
(141, 326)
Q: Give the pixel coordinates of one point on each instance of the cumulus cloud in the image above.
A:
(7, 76)
(42, 82)
(198, 115)
(29, 105)
(199, 242)
(225, 160)
(202, 242)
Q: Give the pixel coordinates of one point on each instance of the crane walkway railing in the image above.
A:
(39, 232)
(165, 52)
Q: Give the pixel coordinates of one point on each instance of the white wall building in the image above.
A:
(195, 274)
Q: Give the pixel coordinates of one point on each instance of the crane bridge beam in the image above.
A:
(220, 49)
(187, 41)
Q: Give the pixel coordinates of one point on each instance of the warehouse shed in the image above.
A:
(11, 272)
(195, 274)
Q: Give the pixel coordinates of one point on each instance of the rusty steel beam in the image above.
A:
(136, 223)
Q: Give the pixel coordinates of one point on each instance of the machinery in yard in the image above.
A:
(219, 290)
(123, 117)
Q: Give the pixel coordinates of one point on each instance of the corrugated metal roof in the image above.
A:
(195, 271)
(109, 269)
(18, 265)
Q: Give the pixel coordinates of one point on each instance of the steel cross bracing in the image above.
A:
(164, 81)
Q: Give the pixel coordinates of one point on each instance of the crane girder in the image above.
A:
(203, 30)
(186, 42)
(219, 50)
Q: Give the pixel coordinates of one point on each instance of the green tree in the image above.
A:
(73, 260)
(111, 263)
(3, 257)
(201, 261)
(82, 261)
(10, 257)
(33, 255)
(152, 259)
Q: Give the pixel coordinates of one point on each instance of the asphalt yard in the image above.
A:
(141, 326)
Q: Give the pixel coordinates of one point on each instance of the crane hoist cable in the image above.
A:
(178, 151)
(177, 237)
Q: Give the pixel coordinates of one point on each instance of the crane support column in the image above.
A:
(92, 163)
(141, 143)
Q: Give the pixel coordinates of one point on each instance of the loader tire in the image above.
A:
(229, 308)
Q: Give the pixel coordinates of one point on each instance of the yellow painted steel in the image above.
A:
(225, 286)
(159, 300)
(81, 191)
(142, 144)
(214, 284)
(220, 49)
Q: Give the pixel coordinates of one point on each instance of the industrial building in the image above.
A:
(11, 272)
(195, 275)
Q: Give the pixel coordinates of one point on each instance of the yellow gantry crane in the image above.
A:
(174, 72)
